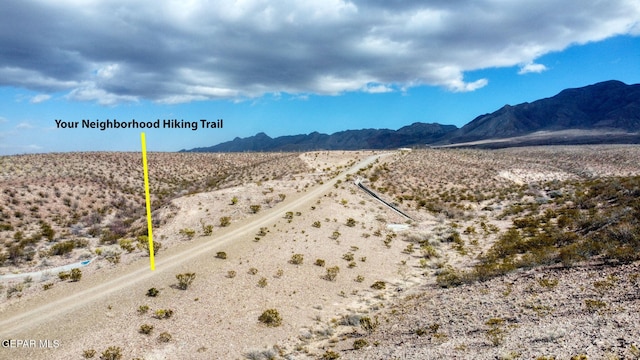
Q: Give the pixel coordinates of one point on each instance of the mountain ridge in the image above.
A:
(605, 106)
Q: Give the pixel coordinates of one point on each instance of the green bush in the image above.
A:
(62, 248)
(255, 208)
(145, 329)
(332, 273)
(111, 353)
(379, 285)
(359, 344)
(185, 280)
(271, 318)
(76, 274)
(297, 259)
(153, 292)
(225, 221)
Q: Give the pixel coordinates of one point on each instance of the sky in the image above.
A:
(290, 67)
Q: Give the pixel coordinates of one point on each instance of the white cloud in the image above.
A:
(40, 98)
(24, 126)
(532, 68)
(179, 51)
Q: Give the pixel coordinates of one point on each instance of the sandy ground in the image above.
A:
(217, 316)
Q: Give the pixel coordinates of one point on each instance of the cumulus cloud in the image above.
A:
(532, 68)
(175, 51)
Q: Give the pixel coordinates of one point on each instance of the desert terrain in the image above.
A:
(523, 253)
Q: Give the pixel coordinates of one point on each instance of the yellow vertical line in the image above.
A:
(147, 198)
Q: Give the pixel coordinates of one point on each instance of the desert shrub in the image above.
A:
(76, 274)
(207, 230)
(332, 273)
(359, 344)
(255, 208)
(111, 353)
(163, 313)
(221, 255)
(64, 275)
(187, 233)
(112, 256)
(319, 262)
(252, 271)
(351, 222)
(316, 224)
(548, 282)
(348, 256)
(271, 318)
(46, 231)
(47, 286)
(145, 329)
(379, 285)
(143, 309)
(185, 280)
(234, 200)
(296, 259)
(335, 235)
(231, 274)
(288, 215)
(127, 245)
(330, 355)
(359, 278)
(279, 273)
(369, 325)
(164, 337)
(62, 248)
(449, 277)
(153, 292)
(594, 305)
(143, 243)
(262, 282)
(15, 289)
(225, 221)
(88, 354)
(495, 333)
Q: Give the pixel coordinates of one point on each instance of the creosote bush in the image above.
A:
(153, 292)
(145, 329)
(185, 280)
(111, 353)
(379, 285)
(271, 318)
(297, 259)
(225, 221)
(332, 273)
(164, 337)
(163, 313)
(221, 255)
(76, 274)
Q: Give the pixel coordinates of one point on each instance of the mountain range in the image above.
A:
(606, 112)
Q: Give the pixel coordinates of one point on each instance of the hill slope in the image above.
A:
(609, 112)
(609, 105)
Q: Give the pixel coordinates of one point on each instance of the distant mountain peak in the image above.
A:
(606, 105)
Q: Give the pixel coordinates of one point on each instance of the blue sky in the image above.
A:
(291, 67)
